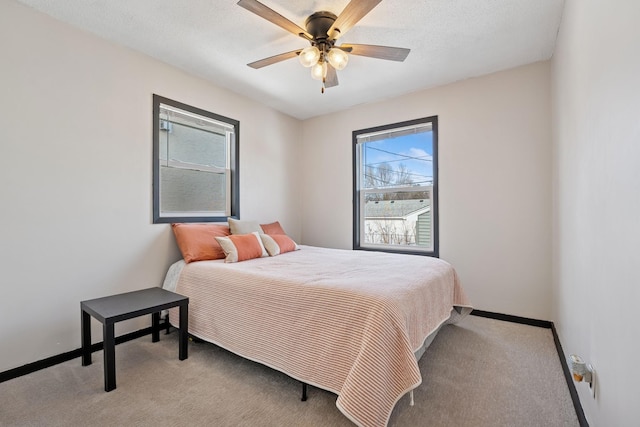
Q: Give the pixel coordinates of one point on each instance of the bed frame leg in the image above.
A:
(304, 392)
(411, 402)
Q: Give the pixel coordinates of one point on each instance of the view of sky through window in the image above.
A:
(412, 152)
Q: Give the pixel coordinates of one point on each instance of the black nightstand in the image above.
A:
(112, 309)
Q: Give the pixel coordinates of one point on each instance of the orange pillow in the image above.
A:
(273, 228)
(242, 247)
(197, 242)
(277, 244)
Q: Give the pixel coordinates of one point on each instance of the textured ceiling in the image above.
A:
(450, 40)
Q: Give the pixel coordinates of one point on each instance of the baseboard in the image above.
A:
(513, 319)
(563, 360)
(569, 378)
(70, 355)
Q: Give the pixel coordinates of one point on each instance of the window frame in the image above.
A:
(233, 157)
(433, 120)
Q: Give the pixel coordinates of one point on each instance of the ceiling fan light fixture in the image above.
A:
(322, 29)
(309, 56)
(319, 71)
(338, 58)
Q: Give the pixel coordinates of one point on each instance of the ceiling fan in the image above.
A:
(323, 29)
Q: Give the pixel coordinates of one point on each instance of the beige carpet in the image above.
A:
(482, 372)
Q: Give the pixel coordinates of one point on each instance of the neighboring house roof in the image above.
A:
(395, 208)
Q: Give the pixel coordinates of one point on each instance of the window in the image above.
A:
(395, 187)
(195, 164)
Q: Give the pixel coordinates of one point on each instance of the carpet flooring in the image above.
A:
(480, 372)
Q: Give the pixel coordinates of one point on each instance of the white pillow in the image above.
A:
(243, 227)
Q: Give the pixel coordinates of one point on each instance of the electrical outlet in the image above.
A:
(592, 385)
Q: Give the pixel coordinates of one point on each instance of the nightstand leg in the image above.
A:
(109, 357)
(85, 326)
(184, 330)
(155, 327)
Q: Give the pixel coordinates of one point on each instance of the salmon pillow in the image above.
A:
(277, 244)
(242, 247)
(197, 242)
(273, 228)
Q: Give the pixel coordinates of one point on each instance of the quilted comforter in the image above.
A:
(345, 321)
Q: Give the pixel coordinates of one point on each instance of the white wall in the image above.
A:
(495, 184)
(596, 221)
(75, 176)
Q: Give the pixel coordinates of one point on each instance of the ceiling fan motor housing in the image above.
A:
(318, 25)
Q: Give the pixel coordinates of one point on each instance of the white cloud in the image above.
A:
(419, 152)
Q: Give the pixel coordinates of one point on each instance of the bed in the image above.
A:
(351, 322)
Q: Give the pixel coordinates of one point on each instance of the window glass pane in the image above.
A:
(391, 159)
(193, 146)
(193, 159)
(398, 219)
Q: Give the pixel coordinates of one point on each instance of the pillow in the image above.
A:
(273, 228)
(277, 244)
(197, 241)
(243, 227)
(242, 247)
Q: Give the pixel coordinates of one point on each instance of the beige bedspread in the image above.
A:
(345, 321)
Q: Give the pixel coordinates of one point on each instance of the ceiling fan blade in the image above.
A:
(355, 10)
(273, 59)
(331, 79)
(373, 51)
(273, 17)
